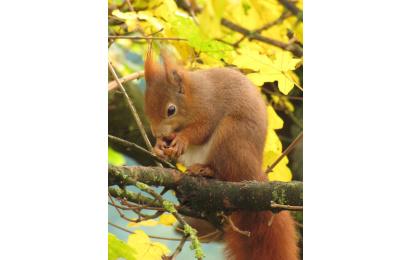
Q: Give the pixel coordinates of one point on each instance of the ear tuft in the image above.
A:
(172, 71)
(151, 67)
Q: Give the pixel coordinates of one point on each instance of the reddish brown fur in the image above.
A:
(221, 106)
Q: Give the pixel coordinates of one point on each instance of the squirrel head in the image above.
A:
(165, 95)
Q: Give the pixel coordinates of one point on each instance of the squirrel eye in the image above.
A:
(171, 110)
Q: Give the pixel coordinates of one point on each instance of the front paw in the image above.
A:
(160, 150)
(178, 146)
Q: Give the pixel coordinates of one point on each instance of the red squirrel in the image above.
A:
(214, 121)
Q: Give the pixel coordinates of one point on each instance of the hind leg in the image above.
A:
(239, 147)
(200, 169)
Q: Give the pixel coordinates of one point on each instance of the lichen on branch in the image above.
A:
(206, 195)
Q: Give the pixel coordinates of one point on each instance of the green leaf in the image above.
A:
(115, 158)
(185, 27)
(117, 249)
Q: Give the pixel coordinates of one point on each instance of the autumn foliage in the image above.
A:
(263, 39)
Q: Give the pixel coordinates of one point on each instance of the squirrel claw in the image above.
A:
(178, 146)
(200, 169)
(160, 150)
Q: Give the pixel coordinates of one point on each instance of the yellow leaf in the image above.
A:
(147, 223)
(273, 149)
(210, 18)
(267, 70)
(253, 14)
(281, 172)
(147, 16)
(181, 167)
(293, 76)
(146, 250)
(274, 121)
(167, 219)
(273, 143)
(129, 17)
(166, 9)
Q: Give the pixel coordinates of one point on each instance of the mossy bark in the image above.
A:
(206, 195)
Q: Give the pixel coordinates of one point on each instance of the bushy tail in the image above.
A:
(276, 242)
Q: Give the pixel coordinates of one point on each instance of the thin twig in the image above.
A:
(155, 215)
(246, 233)
(176, 206)
(214, 236)
(130, 5)
(138, 21)
(264, 89)
(285, 153)
(111, 42)
(287, 207)
(293, 39)
(112, 200)
(119, 212)
(179, 248)
(234, 45)
(140, 149)
(146, 38)
(136, 207)
(133, 110)
(160, 30)
(123, 229)
(298, 224)
(271, 219)
(191, 11)
(145, 216)
(147, 205)
(113, 84)
(174, 212)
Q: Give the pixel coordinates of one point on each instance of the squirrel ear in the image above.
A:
(151, 67)
(173, 74)
(178, 80)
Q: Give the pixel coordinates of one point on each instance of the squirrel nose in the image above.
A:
(156, 134)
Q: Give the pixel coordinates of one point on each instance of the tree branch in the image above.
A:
(169, 206)
(137, 198)
(210, 195)
(292, 7)
(295, 49)
(140, 149)
(113, 84)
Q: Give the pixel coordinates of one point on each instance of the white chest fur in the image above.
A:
(195, 154)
